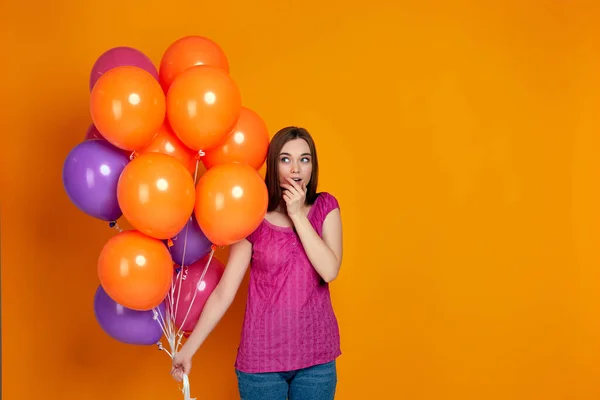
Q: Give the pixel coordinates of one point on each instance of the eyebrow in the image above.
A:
(288, 154)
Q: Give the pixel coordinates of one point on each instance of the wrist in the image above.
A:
(184, 354)
(297, 217)
(188, 349)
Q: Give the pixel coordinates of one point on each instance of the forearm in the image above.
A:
(214, 309)
(322, 258)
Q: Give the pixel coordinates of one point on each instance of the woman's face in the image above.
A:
(295, 161)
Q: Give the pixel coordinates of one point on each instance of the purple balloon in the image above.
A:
(126, 325)
(90, 175)
(118, 57)
(197, 244)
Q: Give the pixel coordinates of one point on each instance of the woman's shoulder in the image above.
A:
(327, 199)
(256, 233)
(324, 204)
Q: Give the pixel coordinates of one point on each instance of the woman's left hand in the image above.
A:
(294, 196)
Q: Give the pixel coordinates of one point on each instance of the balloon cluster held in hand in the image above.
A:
(139, 161)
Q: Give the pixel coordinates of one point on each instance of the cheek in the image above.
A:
(281, 171)
(307, 172)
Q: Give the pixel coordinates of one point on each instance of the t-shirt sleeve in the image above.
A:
(254, 235)
(327, 203)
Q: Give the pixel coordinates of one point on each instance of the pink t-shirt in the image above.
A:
(289, 322)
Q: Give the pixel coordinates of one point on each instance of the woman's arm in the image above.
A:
(324, 254)
(216, 305)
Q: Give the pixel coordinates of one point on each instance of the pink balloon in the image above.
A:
(202, 289)
(121, 56)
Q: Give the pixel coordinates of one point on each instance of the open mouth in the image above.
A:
(297, 179)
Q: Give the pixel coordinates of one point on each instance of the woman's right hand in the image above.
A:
(182, 364)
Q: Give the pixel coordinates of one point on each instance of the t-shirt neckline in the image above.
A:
(291, 228)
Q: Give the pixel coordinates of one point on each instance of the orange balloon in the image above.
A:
(203, 106)
(128, 107)
(135, 270)
(247, 144)
(166, 142)
(156, 195)
(231, 202)
(188, 52)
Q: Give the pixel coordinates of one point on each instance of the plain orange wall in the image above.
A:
(461, 138)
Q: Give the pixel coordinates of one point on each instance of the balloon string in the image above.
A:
(212, 252)
(115, 225)
(176, 305)
(186, 230)
(172, 305)
(182, 271)
(169, 304)
(157, 314)
(161, 347)
(186, 383)
(161, 322)
(167, 319)
(196, 171)
(186, 388)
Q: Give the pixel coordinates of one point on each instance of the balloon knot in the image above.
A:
(170, 242)
(114, 225)
(213, 247)
(200, 154)
(132, 155)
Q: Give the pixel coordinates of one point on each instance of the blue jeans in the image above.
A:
(312, 383)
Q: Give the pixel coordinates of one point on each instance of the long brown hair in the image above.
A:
(283, 136)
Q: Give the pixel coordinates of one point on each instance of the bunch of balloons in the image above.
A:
(139, 161)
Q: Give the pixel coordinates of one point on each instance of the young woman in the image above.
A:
(290, 338)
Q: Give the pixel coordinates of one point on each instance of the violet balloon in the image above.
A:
(121, 56)
(126, 325)
(185, 288)
(196, 246)
(90, 175)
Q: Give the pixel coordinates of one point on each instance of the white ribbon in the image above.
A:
(186, 388)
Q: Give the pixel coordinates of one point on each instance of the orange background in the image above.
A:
(463, 143)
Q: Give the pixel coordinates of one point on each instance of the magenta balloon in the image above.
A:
(203, 290)
(93, 133)
(118, 57)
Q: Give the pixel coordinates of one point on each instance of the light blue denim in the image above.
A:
(313, 383)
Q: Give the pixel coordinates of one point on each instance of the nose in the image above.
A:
(295, 168)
